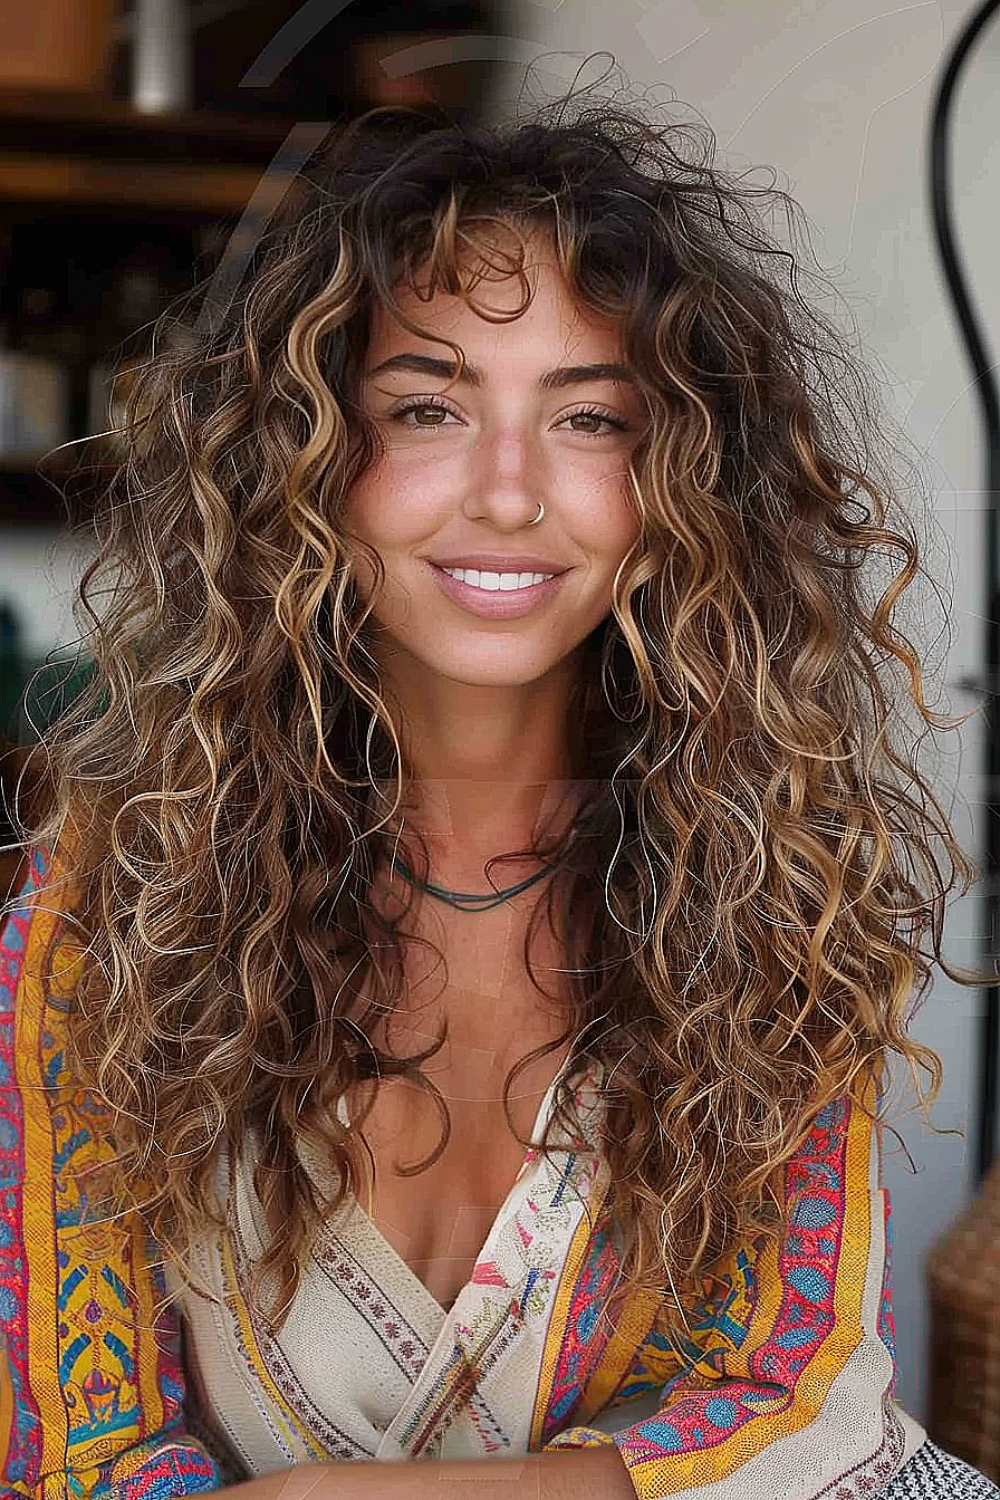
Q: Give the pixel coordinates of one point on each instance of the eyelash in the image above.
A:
(437, 404)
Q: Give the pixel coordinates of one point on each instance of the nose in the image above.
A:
(507, 480)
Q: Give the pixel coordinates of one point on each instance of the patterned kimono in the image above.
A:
(785, 1389)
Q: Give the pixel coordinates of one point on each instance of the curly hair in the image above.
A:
(745, 942)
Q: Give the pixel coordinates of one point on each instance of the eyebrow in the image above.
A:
(552, 380)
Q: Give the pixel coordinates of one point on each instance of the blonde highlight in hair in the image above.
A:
(742, 930)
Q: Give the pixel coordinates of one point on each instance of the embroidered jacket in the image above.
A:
(785, 1389)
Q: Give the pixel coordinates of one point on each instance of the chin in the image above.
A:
(508, 675)
(503, 665)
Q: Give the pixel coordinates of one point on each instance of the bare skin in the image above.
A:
(438, 1220)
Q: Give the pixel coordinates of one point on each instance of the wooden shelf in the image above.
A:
(36, 121)
(199, 189)
(83, 159)
(84, 150)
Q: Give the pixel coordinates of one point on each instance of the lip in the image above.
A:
(495, 562)
(507, 604)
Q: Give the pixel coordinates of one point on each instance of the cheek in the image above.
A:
(382, 511)
(360, 520)
(394, 504)
(627, 527)
(373, 510)
(611, 521)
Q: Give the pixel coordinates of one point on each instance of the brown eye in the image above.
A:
(437, 408)
(589, 414)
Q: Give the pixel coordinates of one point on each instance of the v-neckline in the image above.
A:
(389, 1250)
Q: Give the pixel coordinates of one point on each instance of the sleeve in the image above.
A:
(787, 1388)
(91, 1386)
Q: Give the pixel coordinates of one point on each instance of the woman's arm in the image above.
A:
(574, 1474)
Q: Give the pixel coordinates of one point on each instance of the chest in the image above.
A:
(437, 1216)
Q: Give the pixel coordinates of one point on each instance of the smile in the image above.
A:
(497, 600)
(503, 582)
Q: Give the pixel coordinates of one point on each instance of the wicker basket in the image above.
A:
(963, 1271)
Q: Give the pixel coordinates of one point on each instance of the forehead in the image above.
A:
(498, 317)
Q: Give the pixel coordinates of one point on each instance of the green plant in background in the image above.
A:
(12, 676)
(34, 691)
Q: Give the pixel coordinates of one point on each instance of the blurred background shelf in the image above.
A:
(107, 214)
(77, 123)
(197, 189)
(77, 149)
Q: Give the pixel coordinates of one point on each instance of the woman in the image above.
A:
(267, 958)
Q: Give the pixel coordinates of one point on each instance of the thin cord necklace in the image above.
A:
(461, 900)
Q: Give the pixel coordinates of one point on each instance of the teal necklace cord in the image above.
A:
(464, 902)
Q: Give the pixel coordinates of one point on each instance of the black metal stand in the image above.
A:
(987, 389)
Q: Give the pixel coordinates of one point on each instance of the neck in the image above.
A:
(492, 767)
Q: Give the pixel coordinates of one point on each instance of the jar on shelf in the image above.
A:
(34, 399)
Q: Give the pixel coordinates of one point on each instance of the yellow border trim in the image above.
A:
(147, 1353)
(556, 1332)
(294, 1434)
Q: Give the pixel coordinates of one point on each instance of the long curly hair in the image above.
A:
(757, 871)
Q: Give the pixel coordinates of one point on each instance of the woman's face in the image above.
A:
(532, 421)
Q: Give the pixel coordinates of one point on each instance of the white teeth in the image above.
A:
(496, 582)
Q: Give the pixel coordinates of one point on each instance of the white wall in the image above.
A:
(837, 99)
